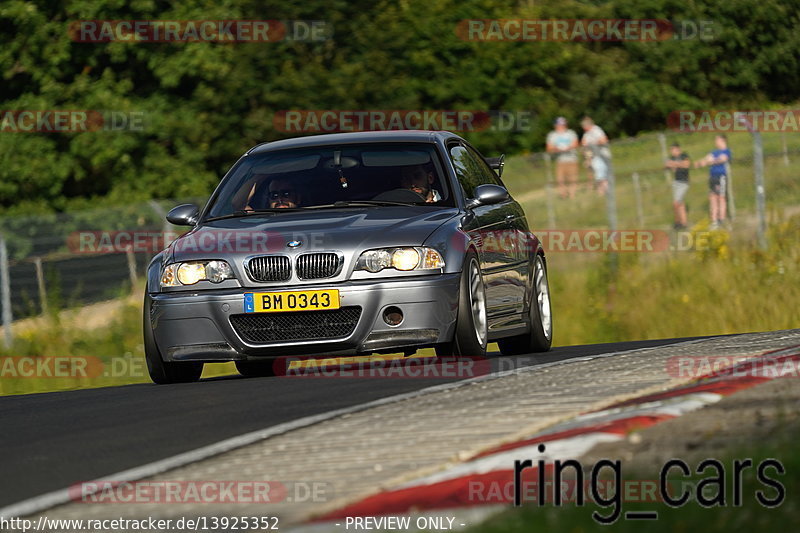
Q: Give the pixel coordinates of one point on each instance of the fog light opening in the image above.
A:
(393, 315)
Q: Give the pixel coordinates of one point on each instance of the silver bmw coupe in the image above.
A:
(346, 244)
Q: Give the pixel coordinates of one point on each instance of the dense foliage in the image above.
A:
(205, 103)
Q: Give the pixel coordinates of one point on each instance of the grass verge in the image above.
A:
(60, 356)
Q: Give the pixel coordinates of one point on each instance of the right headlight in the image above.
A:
(189, 273)
(405, 259)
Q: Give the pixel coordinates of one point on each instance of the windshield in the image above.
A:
(335, 176)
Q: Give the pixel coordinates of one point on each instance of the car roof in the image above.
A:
(353, 138)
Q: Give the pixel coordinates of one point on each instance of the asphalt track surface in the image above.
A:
(53, 440)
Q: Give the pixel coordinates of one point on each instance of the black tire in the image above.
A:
(535, 340)
(256, 369)
(466, 340)
(164, 372)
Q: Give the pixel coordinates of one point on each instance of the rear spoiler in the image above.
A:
(497, 163)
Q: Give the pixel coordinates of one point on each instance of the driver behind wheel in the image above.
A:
(282, 194)
(419, 180)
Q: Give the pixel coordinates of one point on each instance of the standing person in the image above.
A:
(679, 163)
(717, 180)
(563, 142)
(595, 139)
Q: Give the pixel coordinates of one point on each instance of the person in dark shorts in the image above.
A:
(679, 163)
(717, 160)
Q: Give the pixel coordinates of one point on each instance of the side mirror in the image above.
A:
(497, 163)
(488, 194)
(184, 215)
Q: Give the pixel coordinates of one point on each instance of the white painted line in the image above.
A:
(62, 496)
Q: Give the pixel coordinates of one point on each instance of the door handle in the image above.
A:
(509, 219)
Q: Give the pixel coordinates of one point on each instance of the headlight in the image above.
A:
(405, 259)
(217, 271)
(431, 259)
(416, 258)
(190, 273)
(375, 260)
(168, 278)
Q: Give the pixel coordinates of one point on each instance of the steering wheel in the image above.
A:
(400, 195)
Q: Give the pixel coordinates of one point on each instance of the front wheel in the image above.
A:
(540, 336)
(471, 334)
(163, 372)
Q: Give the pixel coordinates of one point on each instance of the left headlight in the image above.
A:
(178, 274)
(405, 259)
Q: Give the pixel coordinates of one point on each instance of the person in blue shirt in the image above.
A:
(718, 161)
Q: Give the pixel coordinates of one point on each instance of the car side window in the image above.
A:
(486, 171)
(471, 169)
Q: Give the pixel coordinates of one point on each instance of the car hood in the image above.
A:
(349, 230)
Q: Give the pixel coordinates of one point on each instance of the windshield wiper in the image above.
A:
(242, 213)
(273, 210)
(357, 203)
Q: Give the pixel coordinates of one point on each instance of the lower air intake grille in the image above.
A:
(259, 328)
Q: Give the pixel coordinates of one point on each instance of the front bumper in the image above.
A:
(196, 326)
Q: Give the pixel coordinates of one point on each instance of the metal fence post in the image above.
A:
(131, 266)
(729, 192)
(37, 261)
(785, 149)
(5, 288)
(611, 211)
(662, 140)
(551, 209)
(758, 169)
(637, 191)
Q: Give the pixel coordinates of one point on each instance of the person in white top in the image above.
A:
(595, 140)
(563, 142)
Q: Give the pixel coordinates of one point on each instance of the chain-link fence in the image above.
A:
(78, 258)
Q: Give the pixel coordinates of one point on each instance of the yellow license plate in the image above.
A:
(279, 302)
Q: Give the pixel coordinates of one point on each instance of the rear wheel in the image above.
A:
(540, 336)
(256, 369)
(163, 372)
(471, 333)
